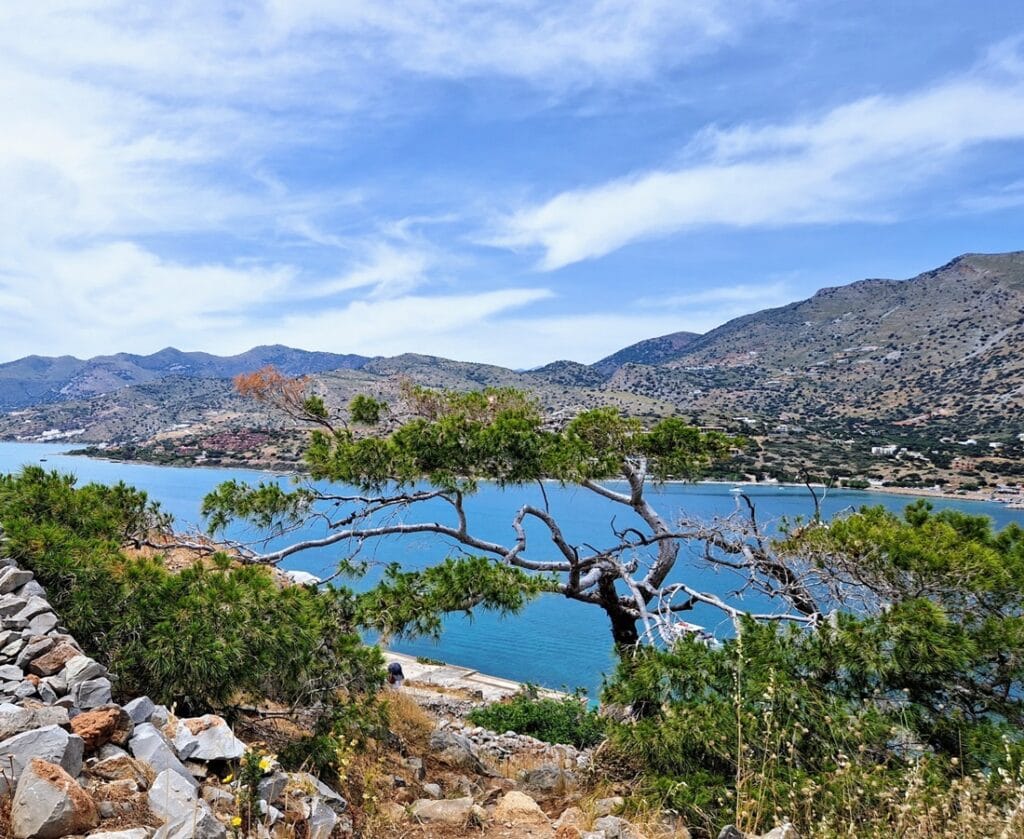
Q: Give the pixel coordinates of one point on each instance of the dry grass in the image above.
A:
(408, 721)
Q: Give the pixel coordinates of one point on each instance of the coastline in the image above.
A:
(283, 470)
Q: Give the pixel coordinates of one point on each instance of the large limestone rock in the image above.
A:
(615, 828)
(186, 816)
(49, 804)
(140, 710)
(456, 750)
(92, 693)
(447, 811)
(518, 808)
(321, 821)
(133, 833)
(51, 744)
(81, 668)
(12, 578)
(150, 746)
(213, 738)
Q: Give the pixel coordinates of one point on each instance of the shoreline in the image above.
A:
(985, 496)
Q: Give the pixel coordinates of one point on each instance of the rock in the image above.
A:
(101, 726)
(552, 780)
(181, 738)
(219, 799)
(123, 768)
(160, 716)
(150, 746)
(49, 804)
(12, 578)
(214, 738)
(50, 743)
(44, 623)
(12, 649)
(416, 766)
(730, 831)
(140, 710)
(615, 828)
(81, 668)
(11, 604)
(321, 821)
(15, 719)
(53, 661)
(303, 783)
(37, 646)
(92, 693)
(573, 816)
(456, 750)
(134, 833)
(783, 831)
(58, 682)
(303, 578)
(433, 790)
(25, 690)
(447, 811)
(186, 816)
(33, 606)
(31, 589)
(11, 673)
(608, 806)
(110, 750)
(272, 787)
(517, 807)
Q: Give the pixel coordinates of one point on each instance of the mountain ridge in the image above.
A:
(943, 343)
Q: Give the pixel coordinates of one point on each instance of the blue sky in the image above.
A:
(511, 183)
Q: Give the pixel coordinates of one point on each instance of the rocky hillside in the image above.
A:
(941, 351)
(37, 380)
(653, 351)
(945, 342)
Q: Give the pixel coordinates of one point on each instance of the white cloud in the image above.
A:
(744, 295)
(850, 164)
(130, 126)
(120, 297)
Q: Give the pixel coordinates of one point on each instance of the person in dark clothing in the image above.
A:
(395, 675)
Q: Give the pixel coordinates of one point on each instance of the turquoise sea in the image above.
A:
(554, 642)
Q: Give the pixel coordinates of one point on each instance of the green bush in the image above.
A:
(880, 718)
(209, 637)
(567, 720)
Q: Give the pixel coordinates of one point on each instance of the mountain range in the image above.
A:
(945, 347)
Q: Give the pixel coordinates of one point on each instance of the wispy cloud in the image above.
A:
(135, 134)
(852, 163)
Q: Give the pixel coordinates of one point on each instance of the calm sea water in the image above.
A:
(553, 642)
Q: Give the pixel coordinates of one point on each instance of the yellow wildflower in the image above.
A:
(236, 821)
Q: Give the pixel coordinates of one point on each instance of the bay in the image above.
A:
(554, 642)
